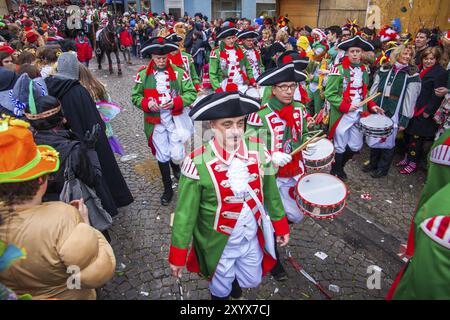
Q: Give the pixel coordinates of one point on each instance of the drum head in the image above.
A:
(322, 189)
(376, 121)
(321, 150)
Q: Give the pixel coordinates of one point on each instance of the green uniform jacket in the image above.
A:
(405, 85)
(335, 94)
(258, 56)
(268, 126)
(184, 94)
(188, 66)
(207, 210)
(427, 274)
(217, 74)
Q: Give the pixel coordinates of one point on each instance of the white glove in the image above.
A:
(310, 148)
(280, 159)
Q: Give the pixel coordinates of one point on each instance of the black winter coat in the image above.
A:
(81, 113)
(428, 102)
(84, 164)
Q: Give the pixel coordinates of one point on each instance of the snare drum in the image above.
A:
(376, 125)
(321, 195)
(320, 156)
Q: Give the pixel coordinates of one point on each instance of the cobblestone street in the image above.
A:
(369, 232)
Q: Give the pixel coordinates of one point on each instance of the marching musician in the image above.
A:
(229, 69)
(347, 86)
(300, 64)
(183, 60)
(226, 187)
(282, 124)
(162, 91)
(248, 38)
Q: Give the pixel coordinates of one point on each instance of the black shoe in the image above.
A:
(280, 276)
(339, 173)
(236, 290)
(278, 272)
(167, 197)
(378, 174)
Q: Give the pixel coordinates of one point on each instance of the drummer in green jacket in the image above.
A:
(229, 69)
(347, 86)
(282, 125)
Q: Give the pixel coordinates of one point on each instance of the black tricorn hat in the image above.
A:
(357, 42)
(159, 46)
(174, 38)
(223, 105)
(289, 56)
(246, 34)
(283, 73)
(226, 32)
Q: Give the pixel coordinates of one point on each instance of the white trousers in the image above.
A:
(238, 261)
(294, 214)
(347, 134)
(167, 143)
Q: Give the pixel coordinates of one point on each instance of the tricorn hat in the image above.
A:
(223, 105)
(159, 46)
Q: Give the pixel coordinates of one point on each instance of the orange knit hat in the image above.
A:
(20, 158)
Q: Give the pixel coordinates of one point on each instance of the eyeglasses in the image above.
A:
(285, 87)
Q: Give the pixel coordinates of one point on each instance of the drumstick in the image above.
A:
(306, 143)
(313, 131)
(368, 99)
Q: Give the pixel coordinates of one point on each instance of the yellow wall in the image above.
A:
(324, 13)
(299, 12)
(429, 13)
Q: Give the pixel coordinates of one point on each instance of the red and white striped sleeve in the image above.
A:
(189, 169)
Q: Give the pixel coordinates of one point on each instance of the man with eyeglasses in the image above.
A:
(229, 68)
(282, 126)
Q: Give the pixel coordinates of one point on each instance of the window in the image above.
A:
(226, 9)
(266, 9)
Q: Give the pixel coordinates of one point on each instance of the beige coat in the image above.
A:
(55, 238)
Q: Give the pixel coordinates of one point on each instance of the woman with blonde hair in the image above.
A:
(107, 109)
(280, 45)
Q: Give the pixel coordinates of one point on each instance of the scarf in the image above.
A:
(399, 66)
(293, 121)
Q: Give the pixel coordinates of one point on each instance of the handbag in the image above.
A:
(75, 189)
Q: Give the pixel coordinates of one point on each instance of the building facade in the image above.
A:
(214, 9)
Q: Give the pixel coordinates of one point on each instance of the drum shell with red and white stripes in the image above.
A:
(321, 211)
(321, 157)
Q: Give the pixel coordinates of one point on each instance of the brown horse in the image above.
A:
(108, 43)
